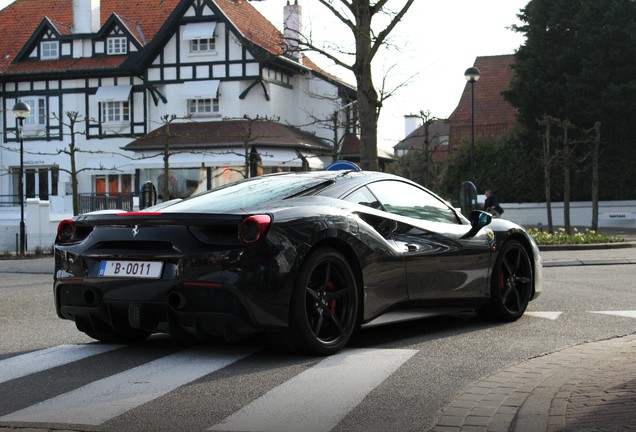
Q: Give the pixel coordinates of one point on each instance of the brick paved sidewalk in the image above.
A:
(589, 387)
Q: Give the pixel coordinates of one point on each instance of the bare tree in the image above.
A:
(570, 159)
(167, 120)
(418, 164)
(346, 119)
(547, 121)
(358, 17)
(252, 159)
(566, 125)
(72, 150)
(166, 150)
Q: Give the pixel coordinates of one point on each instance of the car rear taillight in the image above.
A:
(69, 232)
(254, 228)
(66, 231)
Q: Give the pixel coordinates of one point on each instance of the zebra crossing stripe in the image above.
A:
(623, 313)
(37, 361)
(104, 399)
(546, 315)
(320, 397)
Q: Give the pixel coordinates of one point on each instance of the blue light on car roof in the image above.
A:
(343, 165)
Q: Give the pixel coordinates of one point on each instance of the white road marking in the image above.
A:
(547, 315)
(318, 398)
(104, 399)
(37, 361)
(623, 313)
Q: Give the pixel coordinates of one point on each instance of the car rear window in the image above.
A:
(247, 193)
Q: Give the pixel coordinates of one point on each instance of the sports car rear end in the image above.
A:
(121, 277)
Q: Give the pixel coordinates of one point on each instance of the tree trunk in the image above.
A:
(165, 190)
(595, 162)
(367, 95)
(368, 41)
(547, 158)
(566, 179)
(71, 151)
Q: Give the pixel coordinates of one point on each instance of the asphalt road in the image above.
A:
(395, 377)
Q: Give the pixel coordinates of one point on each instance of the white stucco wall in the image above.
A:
(615, 214)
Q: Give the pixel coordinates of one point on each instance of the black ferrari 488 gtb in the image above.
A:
(304, 257)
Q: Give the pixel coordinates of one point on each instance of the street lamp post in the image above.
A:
(472, 76)
(21, 111)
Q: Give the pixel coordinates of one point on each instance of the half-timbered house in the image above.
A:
(210, 83)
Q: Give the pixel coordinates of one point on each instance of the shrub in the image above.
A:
(562, 237)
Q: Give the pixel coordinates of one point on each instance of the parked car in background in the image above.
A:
(304, 257)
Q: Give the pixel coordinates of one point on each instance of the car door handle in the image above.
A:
(410, 247)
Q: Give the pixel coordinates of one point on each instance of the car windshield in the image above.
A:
(247, 193)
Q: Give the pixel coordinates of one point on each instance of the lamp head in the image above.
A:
(21, 110)
(472, 74)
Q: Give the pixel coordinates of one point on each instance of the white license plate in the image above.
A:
(138, 269)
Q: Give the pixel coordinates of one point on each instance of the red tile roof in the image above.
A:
(21, 18)
(252, 25)
(144, 19)
(493, 114)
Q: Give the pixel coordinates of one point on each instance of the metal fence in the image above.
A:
(87, 202)
(93, 202)
(9, 200)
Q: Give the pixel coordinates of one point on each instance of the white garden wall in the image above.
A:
(42, 218)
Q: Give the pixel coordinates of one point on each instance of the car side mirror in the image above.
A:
(478, 220)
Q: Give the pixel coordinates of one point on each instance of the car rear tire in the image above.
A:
(511, 284)
(324, 304)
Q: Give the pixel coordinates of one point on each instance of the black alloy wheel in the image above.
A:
(511, 284)
(324, 304)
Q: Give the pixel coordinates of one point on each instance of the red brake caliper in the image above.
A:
(332, 303)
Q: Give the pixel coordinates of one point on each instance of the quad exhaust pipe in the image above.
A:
(176, 300)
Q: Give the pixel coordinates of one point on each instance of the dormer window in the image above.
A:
(116, 45)
(49, 50)
(201, 37)
(202, 45)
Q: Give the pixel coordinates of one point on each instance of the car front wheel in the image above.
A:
(511, 284)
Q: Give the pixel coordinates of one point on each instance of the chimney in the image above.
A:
(411, 122)
(86, 16)
(292, 23)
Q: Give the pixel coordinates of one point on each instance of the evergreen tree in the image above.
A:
(578, 64)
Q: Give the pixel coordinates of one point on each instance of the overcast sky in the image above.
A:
(433, 46)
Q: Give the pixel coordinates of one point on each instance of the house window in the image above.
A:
(115, 111)
(203, 106)
(117, 45)
(113, 184)
(202, 45)
(38, 182)
(49, 50)
(37, 115)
